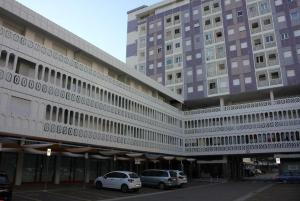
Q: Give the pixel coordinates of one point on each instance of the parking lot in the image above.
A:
(230, 191)
(79, 192)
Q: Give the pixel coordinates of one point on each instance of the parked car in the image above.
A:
(159, 178)
(122, 180)
(289, 177)
(5, 187)
(181, 178)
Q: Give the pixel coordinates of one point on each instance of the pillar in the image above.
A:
(222, 103)
(271, 95)
(86, 168)
(19, 168)
(57, 169)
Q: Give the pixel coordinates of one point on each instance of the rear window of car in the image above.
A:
(3, 179)
(181, 173)
(173, 174)
(133, 175)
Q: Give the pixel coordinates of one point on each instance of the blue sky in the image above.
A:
(101, 22)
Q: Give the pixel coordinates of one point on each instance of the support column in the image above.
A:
(271, 95)
(19, 168)
(222, 103)
(87, 169)
(57, 169)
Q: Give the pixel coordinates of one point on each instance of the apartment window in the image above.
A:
(179, 91)
(177, 45)
(159, 23)
(278, 2)
(287, 54)
(246, 62)
(159, 36)
(177, 31)
(262, 77)
(195, 12)
(269, 39)
(169, 47)
(221, 67)
(294, 15)
(216, 5)
(281, 18)
(170, 77)
(168, 20)
(187, 28)
(297, 33)
(229, 16)
(212, 85)
(259, 59)
(264, 7)
(190, 90)
(159, 50)
(151, 26)
(151, 39)
(274, 75)
(178, 59)
(239, 13)
(208, 36)
(207, 22)
(284, 36)
(169, 61)
(219, 34)
(176, 17)
(232, 47)
(199, 72)
(189, 57)
(190, 73)
(257, 42)
(159, 64)
(248, 80)
(298, 51)
(255, 25)
(217, 19)
(234, 64)
(291, 73)
(236, 82)
(267, 21)
(188, 43)
(151, 52)
(178, 75)
(200, 88)
(230, 31)
(272, 56)
(198, 55)
(244, 45)
(206, 8)
(151, 66)
(242, 28)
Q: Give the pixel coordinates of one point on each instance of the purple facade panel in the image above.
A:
(131, 50)
(132, 26)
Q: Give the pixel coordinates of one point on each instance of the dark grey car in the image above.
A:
(159, 178)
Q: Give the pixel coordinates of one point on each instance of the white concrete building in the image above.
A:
(61, 93)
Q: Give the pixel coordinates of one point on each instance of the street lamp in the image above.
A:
(47, 167)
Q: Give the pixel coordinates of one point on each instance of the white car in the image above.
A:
(181, 178)
(122, 180)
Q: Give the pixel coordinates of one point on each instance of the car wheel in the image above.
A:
(124, 188)
(162, 186)
(99, 185)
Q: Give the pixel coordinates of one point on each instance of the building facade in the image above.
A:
(61, 93)
(201, 49)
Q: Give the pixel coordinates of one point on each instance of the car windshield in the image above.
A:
(133, 175)
(173, 174)
(3, 179)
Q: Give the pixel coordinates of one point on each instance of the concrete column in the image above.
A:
(222, 103)
(19, 168)
(57, 169)
(87, 169)
(271, 95)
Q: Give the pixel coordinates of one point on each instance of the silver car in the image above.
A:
(160, 178)
(181, 178)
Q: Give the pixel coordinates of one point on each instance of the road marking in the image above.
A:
(27, 197)
(251, 194)
(155, 193)
(67, 196)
